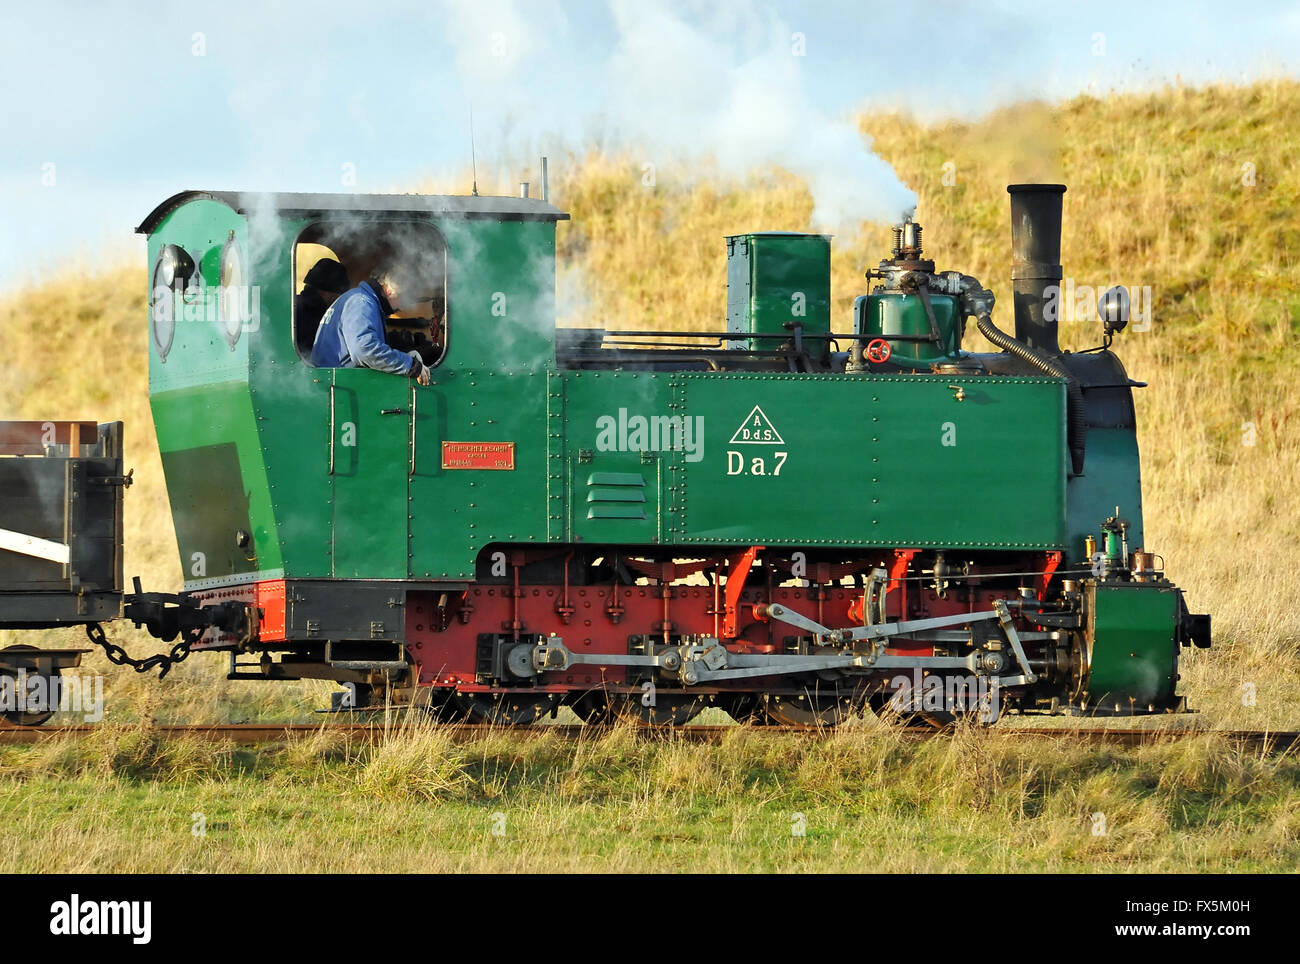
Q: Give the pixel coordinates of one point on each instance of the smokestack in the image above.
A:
(1035, 259)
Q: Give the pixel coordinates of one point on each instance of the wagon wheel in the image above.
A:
(600, 707)
(819, 703)
(935, 719)
(879, 704)
(442, 707)
(505, 709)
(669, 709)
(27, 717)
(747, 708)
(592, 707)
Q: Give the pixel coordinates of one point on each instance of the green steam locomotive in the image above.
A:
(792, 520)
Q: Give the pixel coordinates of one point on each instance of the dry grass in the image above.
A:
(1155, 198)
(866, 799)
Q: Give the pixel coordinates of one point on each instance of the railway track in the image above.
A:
(263, 733)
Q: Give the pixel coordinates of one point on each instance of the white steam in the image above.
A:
(676, 87)
(730, 89)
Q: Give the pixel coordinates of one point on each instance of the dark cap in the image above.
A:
(328, 275)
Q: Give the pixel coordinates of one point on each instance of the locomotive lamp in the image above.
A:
(175, 268)
(1113, 308)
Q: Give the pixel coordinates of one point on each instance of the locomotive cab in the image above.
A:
(263, 452)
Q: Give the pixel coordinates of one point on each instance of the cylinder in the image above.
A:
(1142, 564)
(1035, 260)
(1114, 553)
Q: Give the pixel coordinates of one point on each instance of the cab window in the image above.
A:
(340, 254)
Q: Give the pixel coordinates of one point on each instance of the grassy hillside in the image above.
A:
(1157, 197)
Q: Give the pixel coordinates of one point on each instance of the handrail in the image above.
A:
(415, 394)
(331, 471)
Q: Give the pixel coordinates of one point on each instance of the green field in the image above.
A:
(868, 798)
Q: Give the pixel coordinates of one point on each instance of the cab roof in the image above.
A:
(293, 205)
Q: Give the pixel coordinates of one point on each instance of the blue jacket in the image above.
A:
(351, 335)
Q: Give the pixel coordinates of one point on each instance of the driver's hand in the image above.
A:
(425, 375)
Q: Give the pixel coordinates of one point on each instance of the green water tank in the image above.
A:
(775, 278)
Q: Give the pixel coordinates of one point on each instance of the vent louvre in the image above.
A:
(615, 495)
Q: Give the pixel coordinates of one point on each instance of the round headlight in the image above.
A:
(174, 268)
(1112, 308)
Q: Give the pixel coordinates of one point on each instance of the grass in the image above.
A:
(865, 799)
(1158, 196)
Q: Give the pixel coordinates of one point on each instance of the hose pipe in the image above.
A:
(1076, 426)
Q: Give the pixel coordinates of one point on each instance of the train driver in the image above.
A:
(322, 286)
(351, 335)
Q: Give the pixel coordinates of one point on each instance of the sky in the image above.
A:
(108, 108)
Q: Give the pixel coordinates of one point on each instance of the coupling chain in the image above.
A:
(117, 655)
